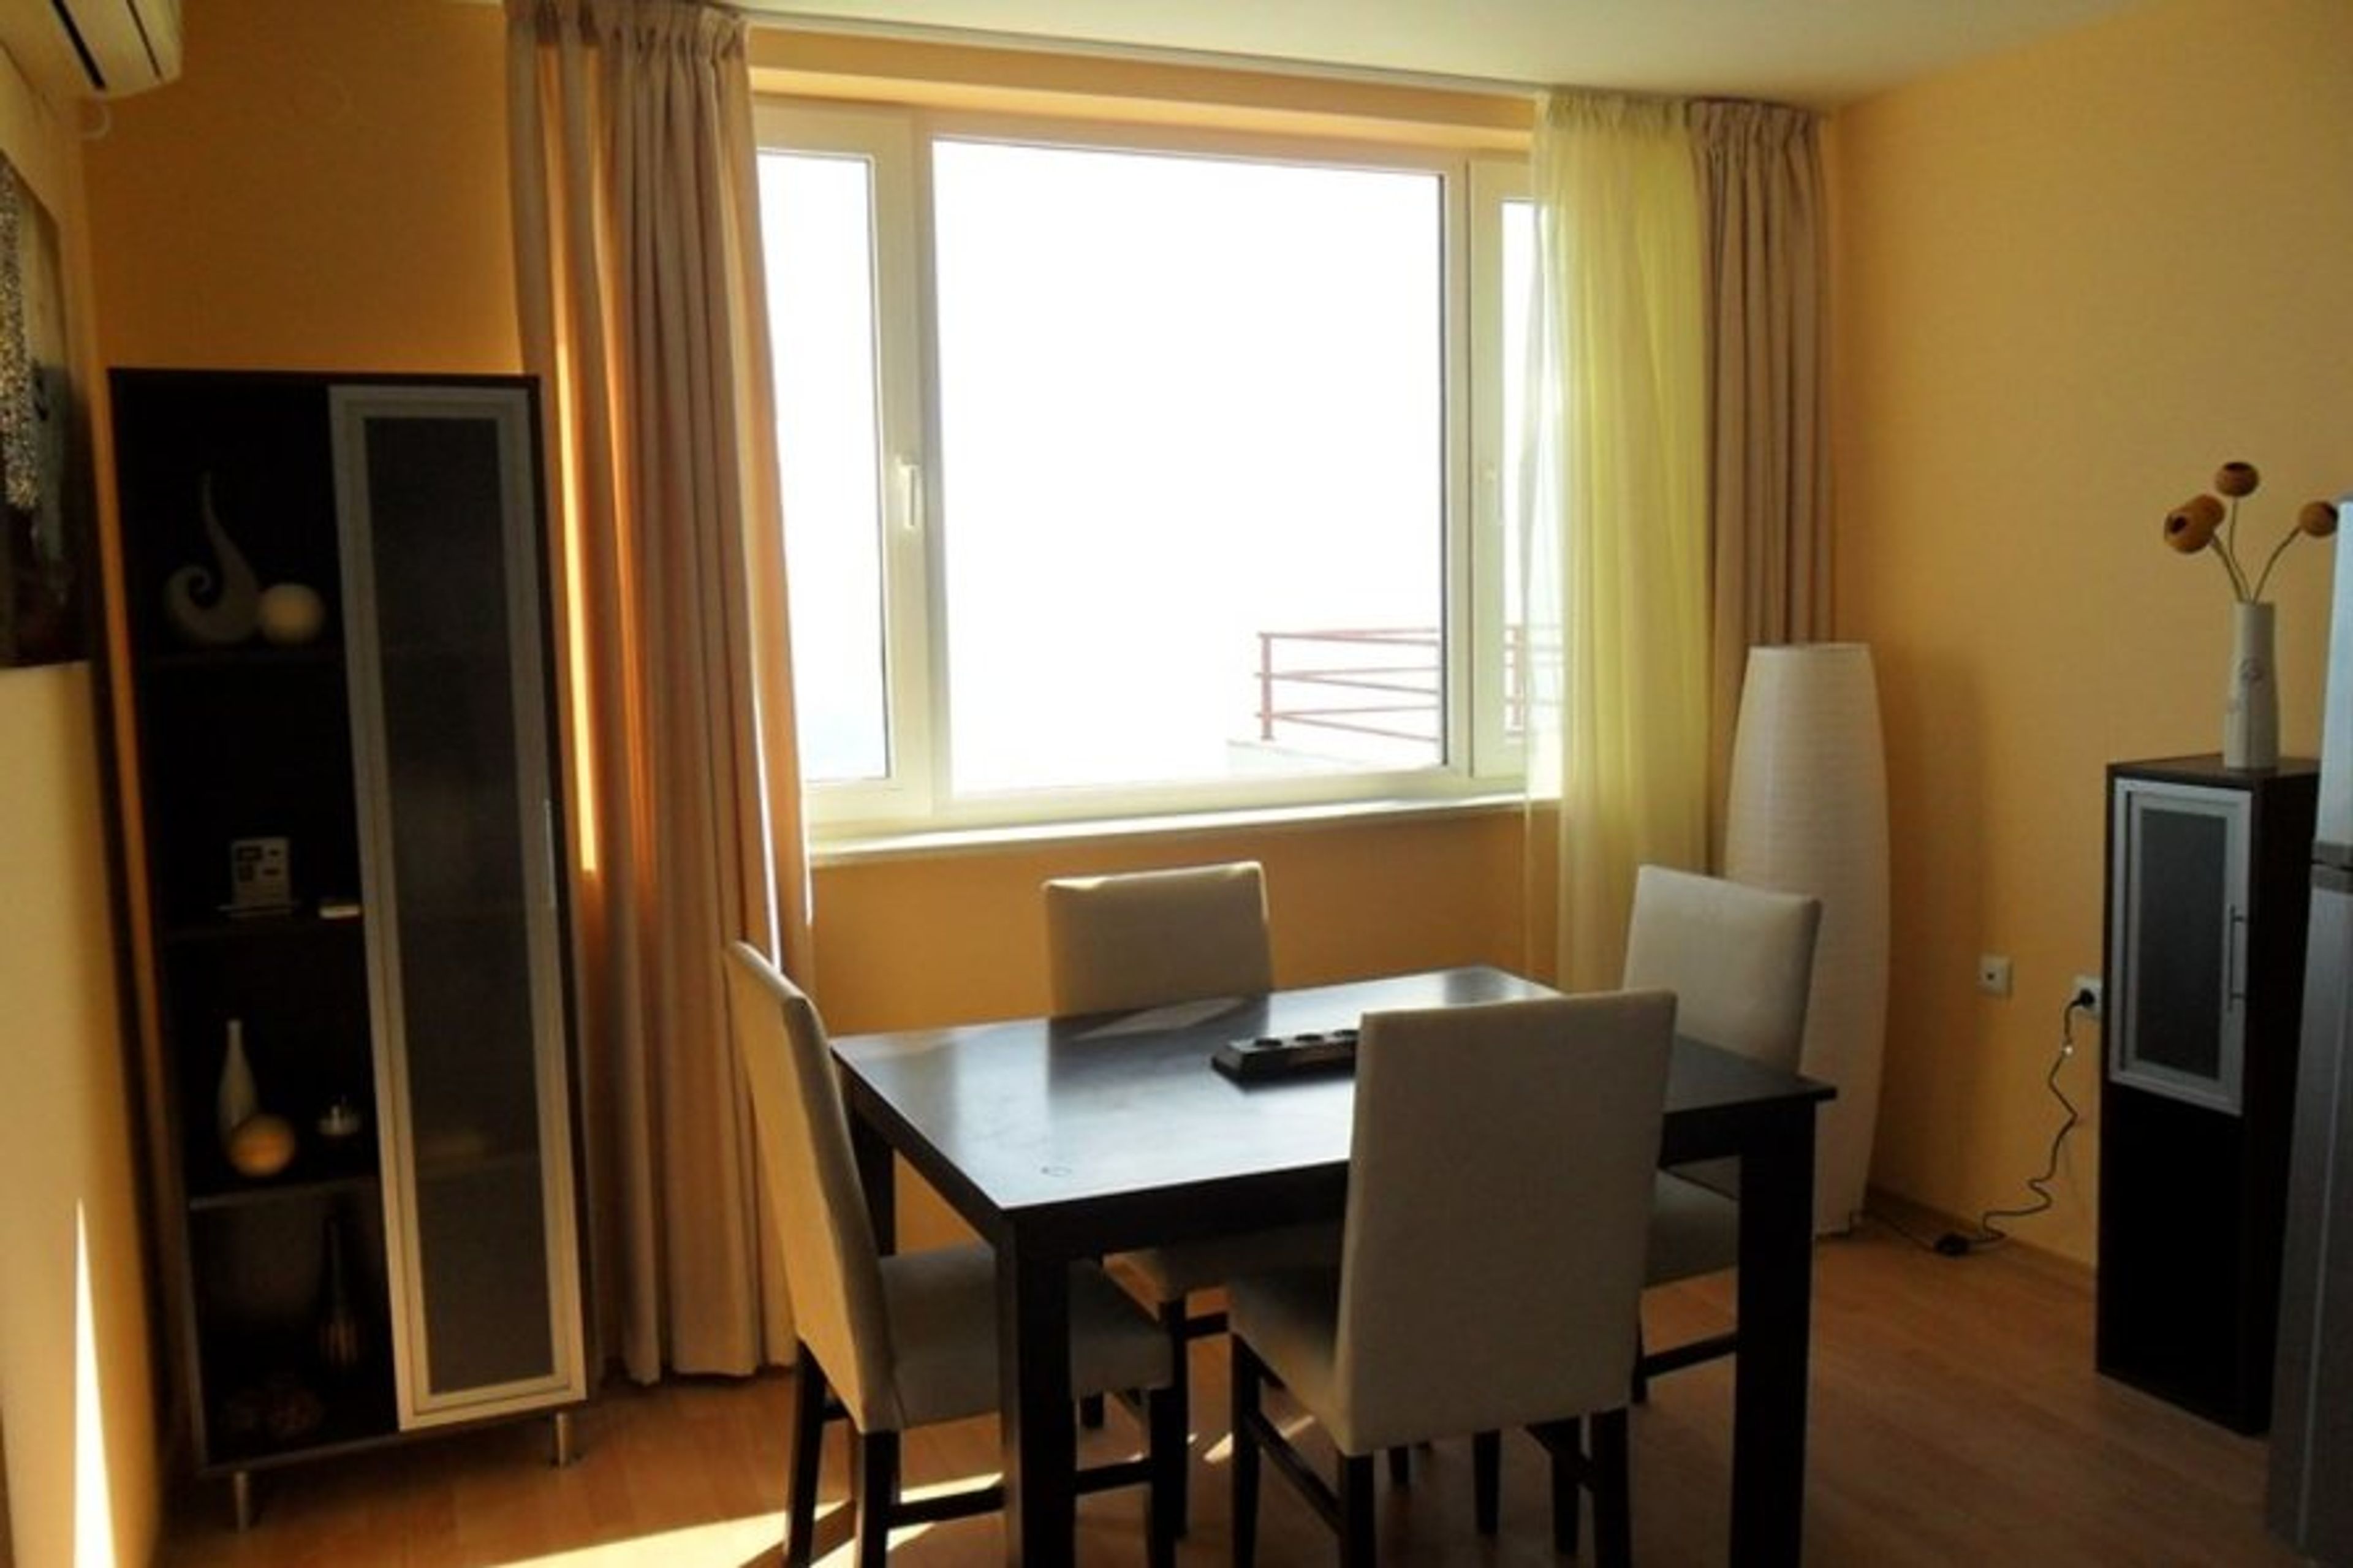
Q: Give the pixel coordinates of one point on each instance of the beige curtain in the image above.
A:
(638, 281)
(1761, 190)
(1617, 529)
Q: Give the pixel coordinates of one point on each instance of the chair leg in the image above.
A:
(1180, 1401)
(808, 1443)
(877, 1495)
(1613, 1492)
(1401, 1466)
(1357, 1545)
(1641, 1374)
(1565, 1443)
(1090, 1411)
(1486, 1482)
(1166, 1452)
(1244, 1461)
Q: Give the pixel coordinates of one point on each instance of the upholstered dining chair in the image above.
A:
(1740, 960)
(1491, 1274)
(900, 1342)
(1143, 939)
(1151, 939)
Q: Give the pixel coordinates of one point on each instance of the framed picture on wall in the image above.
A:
(46, 480)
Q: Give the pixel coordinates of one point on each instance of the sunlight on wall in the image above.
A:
(93, 1488)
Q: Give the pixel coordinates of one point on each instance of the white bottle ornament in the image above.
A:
(237, 1101)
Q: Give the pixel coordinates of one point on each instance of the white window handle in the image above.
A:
(910, 474)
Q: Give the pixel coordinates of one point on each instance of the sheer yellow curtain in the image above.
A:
(638, 281)
(1617, 530)
(1761, 188)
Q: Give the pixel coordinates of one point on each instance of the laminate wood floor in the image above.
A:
(1956, 1419)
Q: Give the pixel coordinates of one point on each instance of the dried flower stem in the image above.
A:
(2226, 546)
(2277, 551)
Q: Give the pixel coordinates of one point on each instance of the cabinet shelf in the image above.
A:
(243, 658)
(365, 1419)
(272, 1402)
(294, 927)
(311, 1178)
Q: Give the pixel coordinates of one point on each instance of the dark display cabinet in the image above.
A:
(2206, 911)
(348, 848)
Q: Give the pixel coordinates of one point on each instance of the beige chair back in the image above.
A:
(1147, 938)
(1499, 1203)
(831, 1265)
(1740, 960)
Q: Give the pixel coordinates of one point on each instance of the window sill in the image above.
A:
(860, 849)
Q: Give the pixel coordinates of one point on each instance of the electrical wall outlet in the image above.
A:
(2089, 985)
(1993, 973)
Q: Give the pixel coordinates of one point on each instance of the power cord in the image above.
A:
(1952, 1244)
(1924, 1243)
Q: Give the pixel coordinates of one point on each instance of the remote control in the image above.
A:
(1281, 1056)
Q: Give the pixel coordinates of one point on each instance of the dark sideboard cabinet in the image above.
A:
(2207, 893)
(347, 850)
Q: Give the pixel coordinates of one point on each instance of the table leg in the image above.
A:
(1033, 1333)
(1776, 1287)
(872, 1153)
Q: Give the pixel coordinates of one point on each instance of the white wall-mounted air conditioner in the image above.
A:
(92, 48)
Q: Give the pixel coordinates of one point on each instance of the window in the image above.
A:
(1158, 492)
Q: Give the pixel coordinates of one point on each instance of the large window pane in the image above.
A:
(1193, 466)
(817, 229)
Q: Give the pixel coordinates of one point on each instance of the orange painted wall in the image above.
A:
(2071, 280)
(324, 188)
(906, 942)
(76, 1381)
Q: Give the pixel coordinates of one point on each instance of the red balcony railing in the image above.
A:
(1388, 682)
(1364, 682)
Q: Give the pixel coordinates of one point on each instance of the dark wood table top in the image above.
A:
(1018, 1119)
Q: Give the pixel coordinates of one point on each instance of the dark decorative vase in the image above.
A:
(339, 1336)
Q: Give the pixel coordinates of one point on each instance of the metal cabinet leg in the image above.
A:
(560, 1453)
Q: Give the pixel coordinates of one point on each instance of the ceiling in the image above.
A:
(1821, 53)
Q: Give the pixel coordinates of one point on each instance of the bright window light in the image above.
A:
(1192, 465)
(817, 229)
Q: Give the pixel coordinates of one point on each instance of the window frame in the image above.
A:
(1480, 758)
(1492, 186)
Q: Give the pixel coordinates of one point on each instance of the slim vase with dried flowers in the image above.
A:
(2251, 708)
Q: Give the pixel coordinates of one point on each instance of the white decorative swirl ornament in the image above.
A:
(235, 603)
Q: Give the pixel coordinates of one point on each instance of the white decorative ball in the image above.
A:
(292, 614)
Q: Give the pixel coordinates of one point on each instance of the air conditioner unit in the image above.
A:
(92, 48)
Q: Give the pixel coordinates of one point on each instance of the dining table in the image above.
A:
(1063, 1138)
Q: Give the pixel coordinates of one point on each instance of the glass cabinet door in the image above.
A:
(2177, 1001)
(438, 502)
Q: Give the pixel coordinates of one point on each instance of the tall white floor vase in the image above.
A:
(1809, 814)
